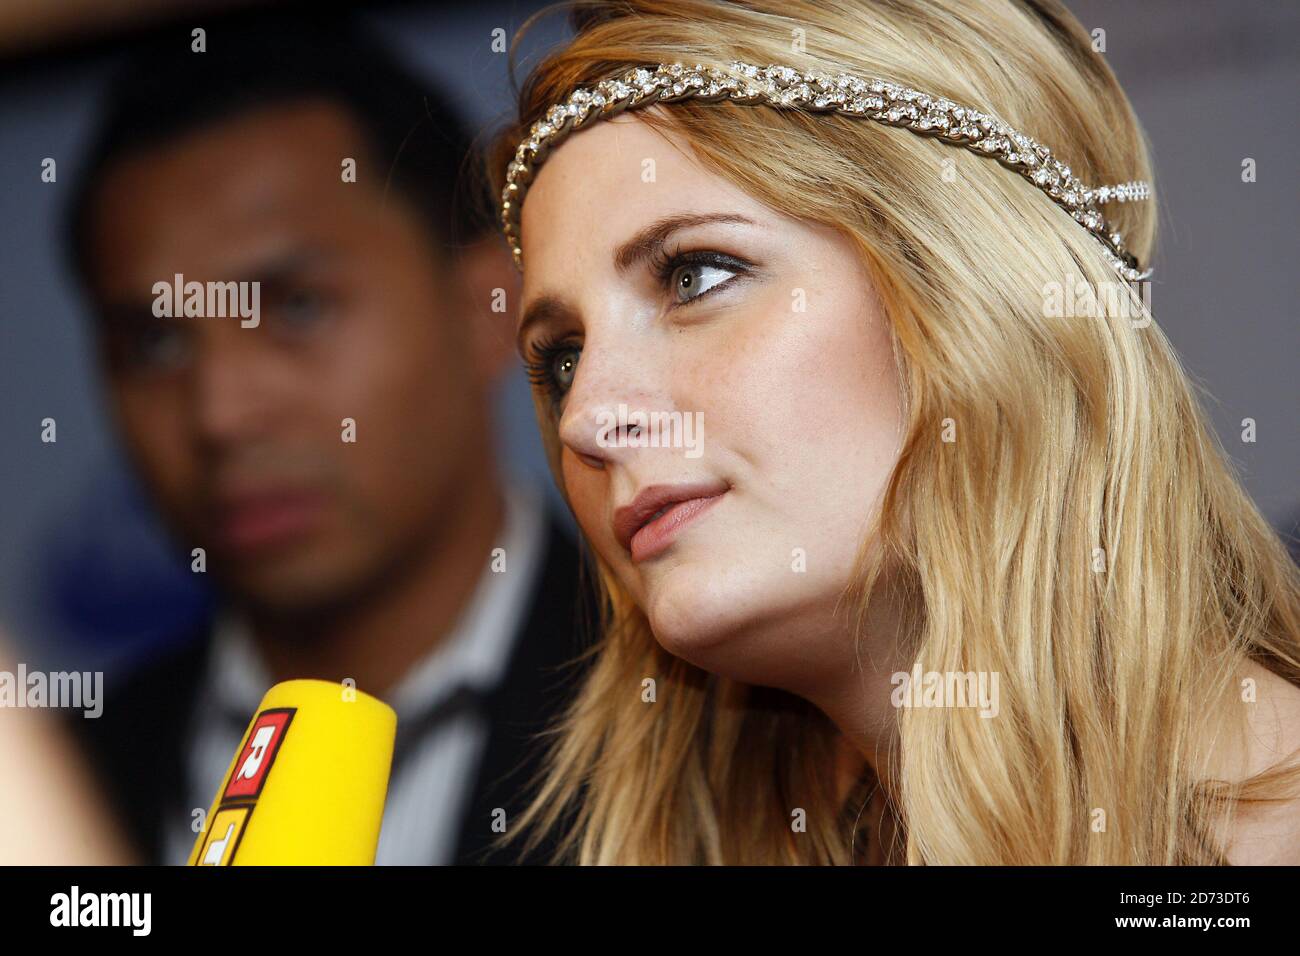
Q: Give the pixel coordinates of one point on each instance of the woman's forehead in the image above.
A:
(603, 161)
(603, 184)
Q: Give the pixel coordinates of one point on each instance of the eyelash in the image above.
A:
(662, 265)
(540, 365)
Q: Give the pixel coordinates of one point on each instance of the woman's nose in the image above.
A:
(607, 387)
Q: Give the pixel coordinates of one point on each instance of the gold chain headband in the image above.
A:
(783, 86)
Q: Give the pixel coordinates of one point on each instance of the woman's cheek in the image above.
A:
(584, 500)
(586, 493)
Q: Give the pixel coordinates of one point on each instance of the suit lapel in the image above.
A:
(137, 748)
(534, 688)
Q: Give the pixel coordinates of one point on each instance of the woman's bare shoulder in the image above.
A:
(1269, 833)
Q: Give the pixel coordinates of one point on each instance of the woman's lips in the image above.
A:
(658, 535)
(257, 522)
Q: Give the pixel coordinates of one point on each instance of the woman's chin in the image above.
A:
(689, 617)
(742, 624)
(739, 649)
(708, 619)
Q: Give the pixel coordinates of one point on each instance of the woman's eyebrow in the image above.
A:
(542, 309)
(641, 246)
(649, 240)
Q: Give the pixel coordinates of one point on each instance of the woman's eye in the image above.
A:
(553, 367)
(692, 280)
(564, 365)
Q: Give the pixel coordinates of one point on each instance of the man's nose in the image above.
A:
(231, 392)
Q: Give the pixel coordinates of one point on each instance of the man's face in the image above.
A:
(239, 430)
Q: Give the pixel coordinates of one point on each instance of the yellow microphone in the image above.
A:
(308, 783)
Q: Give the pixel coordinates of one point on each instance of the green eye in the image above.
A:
(692, 280)
(692, 275)
(553, 366)
(564, 366)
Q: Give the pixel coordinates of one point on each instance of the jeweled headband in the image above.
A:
(784, 86)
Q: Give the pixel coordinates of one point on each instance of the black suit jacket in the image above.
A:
(137, 746)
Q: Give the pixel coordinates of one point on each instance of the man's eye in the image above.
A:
(156, 346)
(692, 280)
(299, 309)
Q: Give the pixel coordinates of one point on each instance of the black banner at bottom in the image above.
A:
(417, 906)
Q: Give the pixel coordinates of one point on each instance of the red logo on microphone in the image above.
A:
(255, 760)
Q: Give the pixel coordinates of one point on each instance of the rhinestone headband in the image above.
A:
(783, 86)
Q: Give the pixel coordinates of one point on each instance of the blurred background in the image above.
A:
(87, 579)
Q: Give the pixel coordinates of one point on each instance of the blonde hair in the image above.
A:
(1083, 537)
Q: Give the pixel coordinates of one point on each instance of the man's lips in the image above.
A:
(649, 523)
(266, 519)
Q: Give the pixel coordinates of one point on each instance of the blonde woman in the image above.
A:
(909, 551)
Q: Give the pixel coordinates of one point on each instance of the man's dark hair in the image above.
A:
(163, 90)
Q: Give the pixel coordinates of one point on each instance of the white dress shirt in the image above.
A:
(434, 772)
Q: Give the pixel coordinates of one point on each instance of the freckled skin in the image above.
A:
(800, 408)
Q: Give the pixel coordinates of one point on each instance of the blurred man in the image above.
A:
(294, 289)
